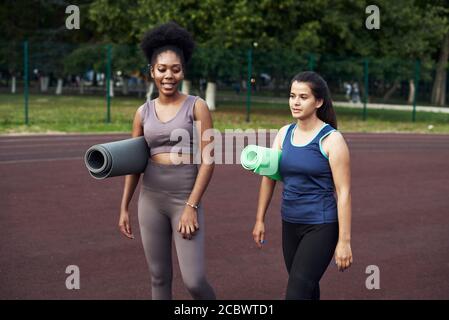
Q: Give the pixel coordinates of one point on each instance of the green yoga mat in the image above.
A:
(117, 158)
(262, 161)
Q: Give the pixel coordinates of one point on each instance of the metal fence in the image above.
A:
(118, 70)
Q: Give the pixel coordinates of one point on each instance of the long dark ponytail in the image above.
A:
(320, 91)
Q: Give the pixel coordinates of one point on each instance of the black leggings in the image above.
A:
(308, 250)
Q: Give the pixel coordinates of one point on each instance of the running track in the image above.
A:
(53, 214)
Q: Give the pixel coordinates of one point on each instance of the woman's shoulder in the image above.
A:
(335, 139)
(141, 111)
(281, 135)
(140, 108)
(332, 133)
(199, 101)
(199, 105)
(284, 128)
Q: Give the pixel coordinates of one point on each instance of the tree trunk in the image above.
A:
(41, 83)
(442, 101)
(44, 81)
(81, 86)
(411, 91)
(390, 91)
(13, 85)
(186, 84)
(439, 85)
(211, 91)
(111, 88)
(125, 89)
(243, 83)
(59, 87)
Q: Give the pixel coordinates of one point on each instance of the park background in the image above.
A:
(55, 79)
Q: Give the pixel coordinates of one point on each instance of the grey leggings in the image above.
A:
(163, 193)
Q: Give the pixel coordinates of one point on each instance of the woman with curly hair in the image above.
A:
(173, 184)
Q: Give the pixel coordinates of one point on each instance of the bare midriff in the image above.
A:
(166, 158)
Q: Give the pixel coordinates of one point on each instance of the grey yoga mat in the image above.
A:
(117, 158)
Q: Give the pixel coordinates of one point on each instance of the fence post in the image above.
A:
(248, 85)
(365, 98)
(25, 79)
(417, 74)
(108, 83)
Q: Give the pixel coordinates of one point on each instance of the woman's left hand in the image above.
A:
(343, 255)
(188, 223)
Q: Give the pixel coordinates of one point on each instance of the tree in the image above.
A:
(440, 84)
(409, 30)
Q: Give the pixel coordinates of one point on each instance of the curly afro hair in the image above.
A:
(168, 36)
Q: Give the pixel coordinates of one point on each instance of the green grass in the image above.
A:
(49, 113)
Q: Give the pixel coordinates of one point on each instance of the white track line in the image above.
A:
(38, 160)
(56, 144)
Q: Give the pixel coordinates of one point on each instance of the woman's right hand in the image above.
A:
(124, 224)
(259, 233)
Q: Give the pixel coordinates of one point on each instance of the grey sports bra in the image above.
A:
(175, 135)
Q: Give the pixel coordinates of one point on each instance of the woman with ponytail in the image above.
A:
(314, 167)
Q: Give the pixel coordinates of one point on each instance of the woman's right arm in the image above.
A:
(265, 193)
(131, 182)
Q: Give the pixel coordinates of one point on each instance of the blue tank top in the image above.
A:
(308, 194)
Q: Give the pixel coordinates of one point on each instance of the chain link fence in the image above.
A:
(240, 75)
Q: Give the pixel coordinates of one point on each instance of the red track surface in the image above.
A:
(53, 214)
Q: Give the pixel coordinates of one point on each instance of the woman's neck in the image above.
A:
(167, 100)
(310, 124)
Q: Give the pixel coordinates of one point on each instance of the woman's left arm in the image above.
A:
(203, 120)
(189, 222)
(340, 165)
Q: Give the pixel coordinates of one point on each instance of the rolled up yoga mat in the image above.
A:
(117, 158)
(262, 161)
